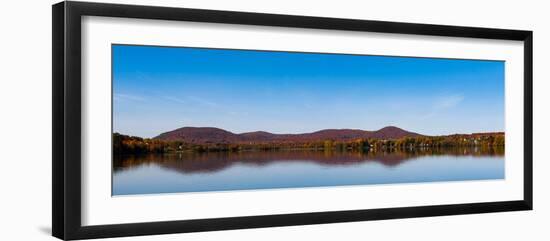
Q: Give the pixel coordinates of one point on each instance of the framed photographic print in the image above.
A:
(170, 120)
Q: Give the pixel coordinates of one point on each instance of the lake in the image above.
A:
(224, 171)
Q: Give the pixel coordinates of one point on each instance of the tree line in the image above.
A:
(124, 144)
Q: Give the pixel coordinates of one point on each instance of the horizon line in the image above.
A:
(275, 133)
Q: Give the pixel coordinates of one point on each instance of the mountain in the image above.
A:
(392, 132)
(258, 136)
(201, 135)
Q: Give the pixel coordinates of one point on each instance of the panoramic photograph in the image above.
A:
(188, 119)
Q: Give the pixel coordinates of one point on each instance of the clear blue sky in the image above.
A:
(158, 89)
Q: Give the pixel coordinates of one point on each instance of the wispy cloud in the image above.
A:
(188, 100)
(202, 101)
(175, 99)
(448, 102)
(444, 103)
(127, 97)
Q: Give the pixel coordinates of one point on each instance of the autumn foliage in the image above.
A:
(123, 144)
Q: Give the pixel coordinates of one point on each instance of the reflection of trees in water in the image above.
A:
(216, 161)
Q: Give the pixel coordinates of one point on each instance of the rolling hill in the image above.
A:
(201, 135)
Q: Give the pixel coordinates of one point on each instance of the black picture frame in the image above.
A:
(66, 127)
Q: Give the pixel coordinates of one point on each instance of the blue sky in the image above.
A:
(158, 89)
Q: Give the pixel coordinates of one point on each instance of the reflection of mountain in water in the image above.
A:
(217, 161)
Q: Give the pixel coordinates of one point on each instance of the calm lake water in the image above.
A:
(222, 171)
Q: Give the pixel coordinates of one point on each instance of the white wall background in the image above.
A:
(25, 101)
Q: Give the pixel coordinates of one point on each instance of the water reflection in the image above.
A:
(218, 161)
(226, 171)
